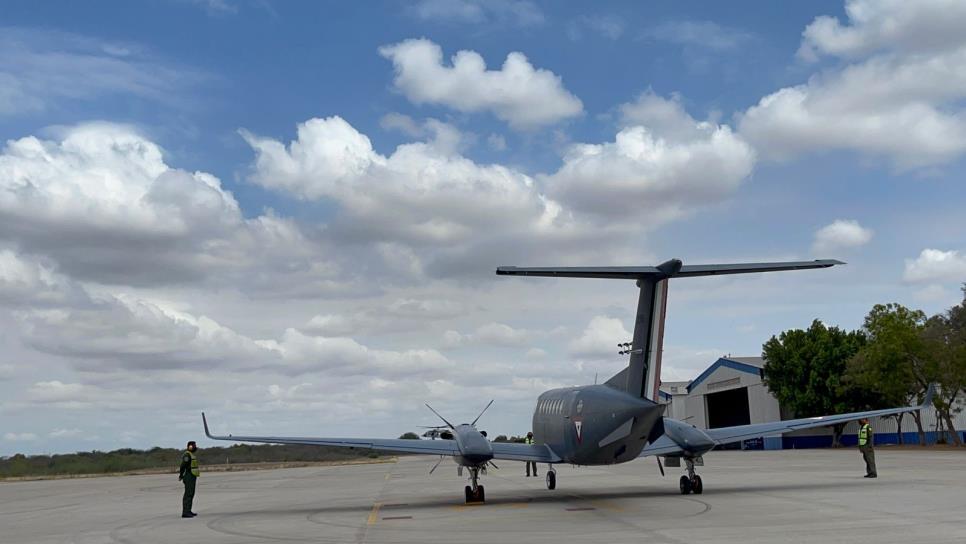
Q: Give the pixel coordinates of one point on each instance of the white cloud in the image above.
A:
(515, 12)
(698, 34)
(599, 340)
(65, 433)
(19, 437)
(900, 97)
(103, 205)
(490, 334)
(936, 266)
(922, 26)
(399, 122)
(39, 68)
(517, 93)
(841, 234)
(656, 168)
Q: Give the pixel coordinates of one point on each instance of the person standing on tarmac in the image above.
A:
(529, 440)
(866, 440)
(188, 473)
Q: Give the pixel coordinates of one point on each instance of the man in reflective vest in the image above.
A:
(188, 473)
(529, 440)
(866, 439)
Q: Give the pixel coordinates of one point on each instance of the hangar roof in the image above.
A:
(751, 365)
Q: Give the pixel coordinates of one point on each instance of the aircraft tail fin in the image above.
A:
(642, 377)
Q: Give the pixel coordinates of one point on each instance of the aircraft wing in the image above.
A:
(428, 447)
(727, 435)
(513, 451)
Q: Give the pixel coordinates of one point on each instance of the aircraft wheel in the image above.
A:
(685, 484)
(469, 494)
(697, 486)
(481, 494)
(551, 480)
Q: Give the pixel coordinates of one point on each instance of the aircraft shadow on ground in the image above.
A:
(559, 496)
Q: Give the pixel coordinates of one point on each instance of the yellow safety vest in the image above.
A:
(195, 471)
(528, 441)
(864, 434)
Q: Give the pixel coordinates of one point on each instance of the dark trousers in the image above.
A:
(868, 454)
(534, 465)
(189, 493)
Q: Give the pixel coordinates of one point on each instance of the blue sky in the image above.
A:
(166, 248)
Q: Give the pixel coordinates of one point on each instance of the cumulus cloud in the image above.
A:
(657, 166)
(936, 266)
(523, 96)
(103, 205)
(515, 12)
(923, 26)
(841, 234)
(899, 96)
(599, 340)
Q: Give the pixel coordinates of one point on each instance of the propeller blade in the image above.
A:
(481, 414)
(659, 465)
(448, 424)
(436, 465)
(494, 465)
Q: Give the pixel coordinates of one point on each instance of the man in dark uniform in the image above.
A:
(529, 440)
(866, 439)
(188, 473)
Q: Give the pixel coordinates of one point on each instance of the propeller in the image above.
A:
(481, 413)
(659, 465)
(436, 465)
(448, 424)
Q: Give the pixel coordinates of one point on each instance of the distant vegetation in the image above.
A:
(126, 459)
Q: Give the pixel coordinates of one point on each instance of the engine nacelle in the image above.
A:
(689, 438)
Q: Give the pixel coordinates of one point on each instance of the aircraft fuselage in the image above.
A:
(594, 424)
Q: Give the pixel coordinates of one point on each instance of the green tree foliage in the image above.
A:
(945, 338)
(126, 459)
(804, 370)
(409, 436)
(895, 361)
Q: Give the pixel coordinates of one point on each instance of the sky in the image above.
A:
(289, 214)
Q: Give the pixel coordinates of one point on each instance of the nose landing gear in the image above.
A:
(475, 494)
(691, 482)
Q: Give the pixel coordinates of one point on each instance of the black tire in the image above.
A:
(481, 494)
(551, 480)
(469, 494)
(685, 484)
(697, 486)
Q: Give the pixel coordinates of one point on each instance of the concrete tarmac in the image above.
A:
(780, 497)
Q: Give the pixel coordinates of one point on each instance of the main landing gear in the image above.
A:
(551, 478)
(475, 494)
(691, 482)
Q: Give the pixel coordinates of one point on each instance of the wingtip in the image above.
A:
(204, 420)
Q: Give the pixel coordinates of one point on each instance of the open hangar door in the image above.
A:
(727, 409)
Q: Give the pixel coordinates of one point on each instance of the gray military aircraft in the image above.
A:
(614, 422)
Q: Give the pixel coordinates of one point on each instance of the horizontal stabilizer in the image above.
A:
(670, 269)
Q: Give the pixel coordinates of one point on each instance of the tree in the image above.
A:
(409, 436)
(895, 361)
(945, 337)
(804, 371)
